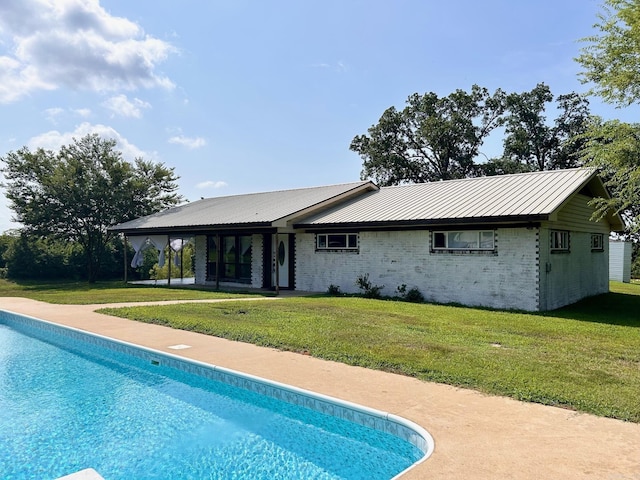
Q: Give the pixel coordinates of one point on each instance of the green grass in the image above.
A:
(82, 293)
(584, 357)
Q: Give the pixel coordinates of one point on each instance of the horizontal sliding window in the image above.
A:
(336, 241)
(464, 240)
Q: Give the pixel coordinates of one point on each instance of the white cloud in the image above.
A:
(52, 114)
(124, 107)
(77, 44)
(53, 140)
(82, 112)
(211, 184)
(339, 66)
(190, 143)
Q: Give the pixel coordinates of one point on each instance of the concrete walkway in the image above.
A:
(476, 436)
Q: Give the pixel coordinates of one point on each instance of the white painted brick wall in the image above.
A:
(505, 280)
(201, 259)
(569, 277)
(256, 261)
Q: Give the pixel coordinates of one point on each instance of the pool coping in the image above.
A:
(386, 422)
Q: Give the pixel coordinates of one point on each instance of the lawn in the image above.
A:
(584, 357)
(83, 293)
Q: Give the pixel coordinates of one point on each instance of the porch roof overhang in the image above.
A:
(258, 212)
(262, 227)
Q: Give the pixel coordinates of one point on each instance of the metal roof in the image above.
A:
(524, 197)
(518, 197)
(255, 209)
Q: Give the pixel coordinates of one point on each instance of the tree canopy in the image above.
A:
(439, 138)
(611, 60)
(614, 148)
(80, 191)
(534, 142)
(611, 63)
(432, 138)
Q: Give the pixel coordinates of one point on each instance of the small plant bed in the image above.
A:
(584, 357)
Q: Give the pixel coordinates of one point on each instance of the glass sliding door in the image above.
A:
(234, 256)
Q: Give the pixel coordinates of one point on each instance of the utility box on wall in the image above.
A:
(620, 261)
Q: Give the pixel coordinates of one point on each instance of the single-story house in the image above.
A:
(522, 241)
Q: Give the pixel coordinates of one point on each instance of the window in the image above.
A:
(597, 242)
(464, 240)
(337, 241)
(559, 241)
(234, 257)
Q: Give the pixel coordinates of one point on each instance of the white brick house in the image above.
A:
(522, 241)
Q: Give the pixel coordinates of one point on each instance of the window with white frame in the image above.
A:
(597, 242)
(337, 241)
(464, 240)
(559, 241)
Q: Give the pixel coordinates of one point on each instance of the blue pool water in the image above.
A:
(67, 404)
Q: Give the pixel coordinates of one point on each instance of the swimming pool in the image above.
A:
(72, 400)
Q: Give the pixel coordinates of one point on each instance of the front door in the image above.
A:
(281, 260)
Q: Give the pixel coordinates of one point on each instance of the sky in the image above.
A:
(248, 96)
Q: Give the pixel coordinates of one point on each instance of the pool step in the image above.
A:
(86, 474)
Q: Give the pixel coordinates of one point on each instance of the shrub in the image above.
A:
(369, 290)
(414, 296)
(334, 290)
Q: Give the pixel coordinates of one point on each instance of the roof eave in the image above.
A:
(192, 228)
(428, 223)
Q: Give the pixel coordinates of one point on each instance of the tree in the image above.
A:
(532, 141)
(614, 148)
(611, 63)
(432, 138)
(502, 166)
(611, 60)
(76, 194)
(42, 258)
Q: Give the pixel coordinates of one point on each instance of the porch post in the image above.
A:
(124, 248)
(218, 257)
(170, 261)
(275, 256)
(182, 260)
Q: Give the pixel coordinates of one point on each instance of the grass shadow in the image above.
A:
(611, 308)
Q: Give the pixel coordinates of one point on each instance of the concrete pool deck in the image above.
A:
(476, 436)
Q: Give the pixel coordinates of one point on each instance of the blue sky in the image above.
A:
(245, 96)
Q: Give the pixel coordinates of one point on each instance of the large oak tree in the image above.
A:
(432, 138)
(80, 191)
(538, 144)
